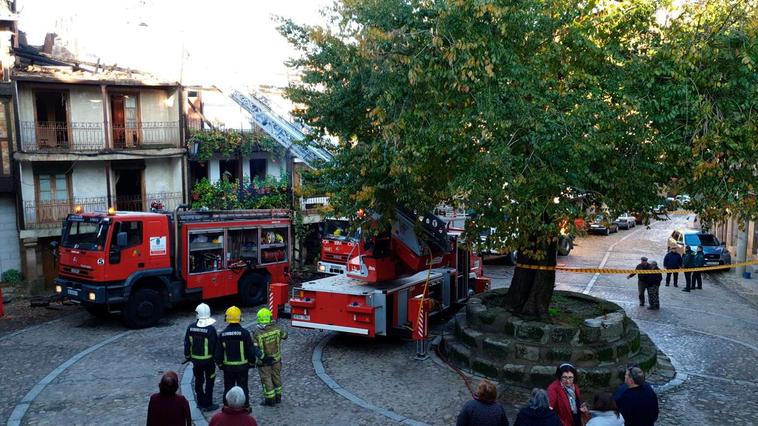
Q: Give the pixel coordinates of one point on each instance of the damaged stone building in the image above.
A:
(89, 136)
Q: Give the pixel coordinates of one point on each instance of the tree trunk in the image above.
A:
(531, 289)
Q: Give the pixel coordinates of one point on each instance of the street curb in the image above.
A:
(318, 367)
(726, 283)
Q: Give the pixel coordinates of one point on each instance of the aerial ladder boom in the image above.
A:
(284, 132)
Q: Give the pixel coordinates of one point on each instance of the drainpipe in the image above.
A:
(742, 247)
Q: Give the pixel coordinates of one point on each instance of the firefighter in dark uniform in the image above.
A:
(268, 338)
(235, 353)
(200, 348)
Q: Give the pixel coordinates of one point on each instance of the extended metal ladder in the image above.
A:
(284, 132)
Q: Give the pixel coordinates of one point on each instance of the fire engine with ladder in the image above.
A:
(394, 282)
(139, 263)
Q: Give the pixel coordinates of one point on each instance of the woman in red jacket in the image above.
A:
(565, 398)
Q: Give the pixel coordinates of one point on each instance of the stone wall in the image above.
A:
(490, 341)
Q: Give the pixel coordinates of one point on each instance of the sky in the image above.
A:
(222, 42)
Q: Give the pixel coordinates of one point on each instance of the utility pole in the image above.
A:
(742, 247)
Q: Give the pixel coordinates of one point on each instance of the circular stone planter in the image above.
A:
(593, 334)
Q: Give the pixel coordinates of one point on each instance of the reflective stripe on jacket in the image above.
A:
(200, 342)
(268, 341)
(235, 347)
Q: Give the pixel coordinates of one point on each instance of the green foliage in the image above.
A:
(12, 277)
(231, 143)
(701, 66)
(268, 193)
(508, 106)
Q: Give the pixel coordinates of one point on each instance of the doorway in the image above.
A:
(126, 132)
(52, 119)
(129, 190)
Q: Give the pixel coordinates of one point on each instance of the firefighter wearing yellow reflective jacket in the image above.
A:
(235, 353)
(268, 341)
(200, 348)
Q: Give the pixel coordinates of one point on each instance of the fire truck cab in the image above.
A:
(139, 263)
(338, 244)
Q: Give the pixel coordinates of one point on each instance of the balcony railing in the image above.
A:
(311, 205)
(136, 203)
(146, 134)
(45, 136)
(50, 214)
(61, 135)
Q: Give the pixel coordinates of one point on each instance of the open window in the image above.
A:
(133, 231)
(273, 245)
(206, 251)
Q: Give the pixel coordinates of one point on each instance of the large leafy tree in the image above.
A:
(524, 111)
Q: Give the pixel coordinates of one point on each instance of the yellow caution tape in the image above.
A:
(632, 271)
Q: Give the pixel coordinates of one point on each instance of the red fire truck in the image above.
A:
(338, 244)
(393, 282)
(139, 263)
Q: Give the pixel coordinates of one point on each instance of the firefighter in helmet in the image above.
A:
(200, 348)
(235, 353)
(268, 337)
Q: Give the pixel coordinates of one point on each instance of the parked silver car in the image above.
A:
(626, 221)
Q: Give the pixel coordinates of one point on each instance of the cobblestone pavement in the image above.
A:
(711, 336)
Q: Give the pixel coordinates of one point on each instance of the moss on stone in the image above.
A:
(497, 348)
(488, 317)
(622, 349)
(484, 368)
(634, 345)
(558, 355)
(469, 337)
(562, 334)
(530, 332)
(605, 355)
(509, 329)
(514, 373)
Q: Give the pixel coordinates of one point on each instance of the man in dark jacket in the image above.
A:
(688, 261)
(697, 276)
(235, 354)
(638, 403)
(673, 260)
(641, 282)
(653, 283)
(200, 348)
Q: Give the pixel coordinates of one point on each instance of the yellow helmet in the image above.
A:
(233, 315)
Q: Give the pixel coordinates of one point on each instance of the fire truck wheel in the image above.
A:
(252, 290)
(144, 309)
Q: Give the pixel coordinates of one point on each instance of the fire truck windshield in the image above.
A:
(84, 233)
(340, 230)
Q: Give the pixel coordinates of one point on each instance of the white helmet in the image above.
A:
(204, 315)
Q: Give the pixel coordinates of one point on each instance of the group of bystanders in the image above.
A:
(634, 403)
